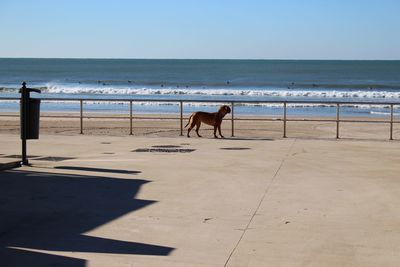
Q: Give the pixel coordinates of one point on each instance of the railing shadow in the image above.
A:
(46, 211)
(91, 169)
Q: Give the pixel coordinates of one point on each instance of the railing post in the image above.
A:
(233, 119)
(181, 118)
(81, 116)
(284, 119)
(337, 119)
(391, 121)
(130, 117)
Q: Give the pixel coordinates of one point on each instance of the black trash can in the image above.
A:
(32, 119)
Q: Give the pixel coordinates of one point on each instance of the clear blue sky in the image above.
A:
(250, 29)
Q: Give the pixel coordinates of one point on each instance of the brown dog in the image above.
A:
(213, 119)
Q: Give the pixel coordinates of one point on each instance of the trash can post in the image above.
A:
(23, 119)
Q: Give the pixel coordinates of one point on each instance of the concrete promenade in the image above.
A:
(95, 201)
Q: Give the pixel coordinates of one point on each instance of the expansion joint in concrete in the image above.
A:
(261, 201)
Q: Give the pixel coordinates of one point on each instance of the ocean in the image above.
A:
(224, 80)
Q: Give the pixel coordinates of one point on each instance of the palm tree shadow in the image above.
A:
(46, 211)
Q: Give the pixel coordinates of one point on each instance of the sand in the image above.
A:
(169, 126)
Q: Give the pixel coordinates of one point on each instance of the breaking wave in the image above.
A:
(304, 93)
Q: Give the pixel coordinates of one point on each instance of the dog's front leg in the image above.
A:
(215, 131)
(219, 130)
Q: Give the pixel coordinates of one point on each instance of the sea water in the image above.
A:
(223, 80)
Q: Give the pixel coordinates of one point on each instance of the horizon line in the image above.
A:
(247, 59)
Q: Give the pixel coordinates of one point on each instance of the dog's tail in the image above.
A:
(190, 119)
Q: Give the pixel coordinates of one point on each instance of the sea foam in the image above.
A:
(303, 93)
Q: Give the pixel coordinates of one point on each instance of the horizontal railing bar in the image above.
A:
(185, 118)
(366, 121)
(133, 117)
(257, 119)
(311, 120)
(334, 120)
(99, 117)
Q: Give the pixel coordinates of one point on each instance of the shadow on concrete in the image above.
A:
(46, 211)
(249, 138)
(235, 148)
(90, 169)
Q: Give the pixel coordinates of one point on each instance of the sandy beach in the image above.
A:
(169, 126)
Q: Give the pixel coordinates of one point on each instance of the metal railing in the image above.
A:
(338, 120)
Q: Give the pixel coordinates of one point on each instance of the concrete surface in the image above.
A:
(91, 201)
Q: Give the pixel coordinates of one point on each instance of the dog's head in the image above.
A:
(225, 109)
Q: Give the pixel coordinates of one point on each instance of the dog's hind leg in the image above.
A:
(189, 129)
(192, 123)
(197, 129)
